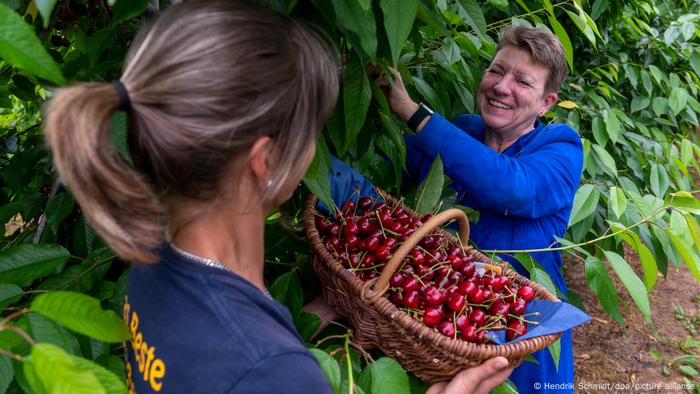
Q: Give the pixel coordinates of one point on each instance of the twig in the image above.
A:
(42, 220)
(14, 315)
(21, 333)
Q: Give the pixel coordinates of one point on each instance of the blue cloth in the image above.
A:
(200, 329)
(346, 183)
(524, 197)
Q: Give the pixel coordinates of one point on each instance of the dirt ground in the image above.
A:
(607, 353)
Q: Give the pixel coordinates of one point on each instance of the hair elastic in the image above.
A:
(124, 101)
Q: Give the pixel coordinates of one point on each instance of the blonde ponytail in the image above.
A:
(117, 201)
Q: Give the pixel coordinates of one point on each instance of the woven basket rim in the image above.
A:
(388, 310)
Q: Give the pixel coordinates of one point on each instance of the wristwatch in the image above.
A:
(415, 120)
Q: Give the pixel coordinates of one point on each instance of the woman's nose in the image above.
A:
(502, 86)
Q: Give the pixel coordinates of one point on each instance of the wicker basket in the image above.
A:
(379, 323)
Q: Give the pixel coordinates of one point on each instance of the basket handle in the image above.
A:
(443, 217)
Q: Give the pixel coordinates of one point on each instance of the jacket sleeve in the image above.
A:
(531, 185)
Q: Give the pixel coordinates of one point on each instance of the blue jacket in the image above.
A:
(524, 197)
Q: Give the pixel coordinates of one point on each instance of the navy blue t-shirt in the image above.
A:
(200, 329)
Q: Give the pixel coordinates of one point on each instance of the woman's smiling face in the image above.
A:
(512, 92)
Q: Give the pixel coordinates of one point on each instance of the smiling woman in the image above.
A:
(520, 174)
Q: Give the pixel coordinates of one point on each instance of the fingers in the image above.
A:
(479, 380)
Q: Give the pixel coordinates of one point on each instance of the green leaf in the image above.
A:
(582, 26)
(22, 264)
(392, 144)
(563, 38)
(470, 11)
(307, 324)
(555, 351)
(6, 373)
(316, 177)
(649, 267)
(49, 369)
(658, 180)
(695, 62)
(430, 189)
(20, 47)
(685, 202)
(678, 99)
(585, 203)
(607, 160)
(329, 366)
(429, 94)
(45, 330)
(58, 208)
(693, 227)
(599, 281)
(599, 133)
(398, 22)
(82, 314)
(287, 290)
(691, 259)
(9, 294)
(108, 379)
(646, 82)
(631, 281)
(124, 10)
(45, 8)
(356, 97)
(351, 15)
(612, 124)
(639, 103)
(384, 376)
(617, 202)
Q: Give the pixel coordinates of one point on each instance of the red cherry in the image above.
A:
(468, 288)
(518, 307)
(477, 317)
(527, 293)
(424, 272)
(350, 228)
(410, 284)
(368, 260)
(364, 203)
(499, 309)
(397, 279)
(478, 297)
(364, 226)
(457, 262)
(349, 207)
(396, 298)
(456, 302)
(372, 244)
(417, 256)
(446, 328)
(462, 322)
(411, 299)
(383, 253)
(334, 229)
(480, 337)
(468, 333)
(323, 224)
(468, 270)
(432, 296)
(332, 243)
(432, 315)
(352, 241)
(516, 328)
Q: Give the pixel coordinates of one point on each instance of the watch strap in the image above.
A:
(415, 120)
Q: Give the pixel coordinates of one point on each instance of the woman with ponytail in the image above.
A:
(224, 101)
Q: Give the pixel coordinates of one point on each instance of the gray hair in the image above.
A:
(544, 48)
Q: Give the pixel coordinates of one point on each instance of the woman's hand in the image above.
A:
(476, 380)
(399, 100)
(325, 312)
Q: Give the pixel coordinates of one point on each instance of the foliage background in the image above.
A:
(632, 94)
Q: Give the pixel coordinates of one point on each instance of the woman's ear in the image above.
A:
(549, 100)
(260, 157)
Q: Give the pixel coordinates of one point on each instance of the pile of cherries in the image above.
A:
(437, 283)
